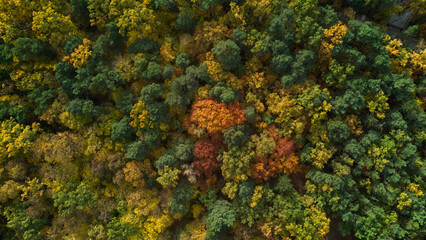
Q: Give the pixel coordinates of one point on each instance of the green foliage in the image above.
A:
(304, 60)
(221, 216)
(143, 45)
(26, 227)
(41, 96)
(236, 136)
(184, 23)
(122, 129)
(119, 230)
(338, 131)
(7, 111)
(211, 119)
(83, 107)
(181, 195)
(71, 43)
(5, 54)
(228, 54)
(222, 93)
(153, 72)
(246, 190)
(74, 198)
(28, 49)
(182, 60)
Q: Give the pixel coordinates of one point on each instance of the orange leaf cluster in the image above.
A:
(216, 117)
(284, 160)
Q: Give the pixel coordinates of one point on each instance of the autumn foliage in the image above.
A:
(212, 119)
(216, 117)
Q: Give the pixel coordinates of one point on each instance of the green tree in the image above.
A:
(221, 216)
(122, 129)
(5, 54)
(28, 49)
(228, 54)
(181, 195)
(184, 23)
(74, 198)
(304, 60)
(26, 227)
(338, 131)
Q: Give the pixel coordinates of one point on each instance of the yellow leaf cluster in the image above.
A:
(16, 138)
(332, 36)
(336, 33)
(236, 15)
(168, 176)
(136, 19)
(320, 155)
(80, 56)
(257, 195)
(257, 80)
(214, 68)
(260, 7)
(414, 188)
(378, 155)
(320, 113)
(289, 114)
(52, 26)
(167, 53)
(140, 116)
(230, 190)
(154, 226)
(195, 230)
(377, 104)
(418, 60)
(354, 124)
(403, 200)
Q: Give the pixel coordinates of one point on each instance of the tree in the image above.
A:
(122, 129)
(246, 190)
(338, 131)
(73, 198)
(236, 136)
(41, 96)
(206, 151)
(235, 163)
(119, 230)
(80, 13)
(221, 216)
(80, 55)
(53, 27)
(83, 107)
(5, 54)
(228, 54)
(216, 117)
(153, 72)
(182, 60)
(184, 23)
(71, 43)
(16, 139)
(28, 49)
(143, 45)
(27, 227)
(105, 80)
(304, 60)
(181, 195)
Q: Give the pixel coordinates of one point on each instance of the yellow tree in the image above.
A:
(80, 56)
(52, 27)
(332, 36)
(16, 139)
(288, 114)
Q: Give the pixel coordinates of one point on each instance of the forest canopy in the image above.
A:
(212, 119)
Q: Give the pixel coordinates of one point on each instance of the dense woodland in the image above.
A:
(211, 119)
